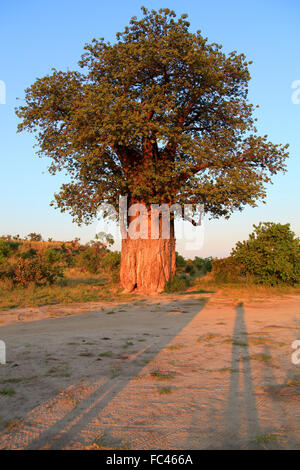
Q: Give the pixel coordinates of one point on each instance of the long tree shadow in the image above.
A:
(58, 420)
(241, 410)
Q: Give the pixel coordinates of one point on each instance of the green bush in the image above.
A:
(177, 284)
(52, 255)
(271, 254)
(8, 248)
(195, 267)
(190, 269)
(227, 270)
(180, 261)
(89, 260)
(6, 271)
(36, 271)
(198, 266)
(29, 254)
(203, 265)
(112, 259)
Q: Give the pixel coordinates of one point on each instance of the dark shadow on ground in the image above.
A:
(241, 406)
(51, 336)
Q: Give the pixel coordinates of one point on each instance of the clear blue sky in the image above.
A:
(37, 35)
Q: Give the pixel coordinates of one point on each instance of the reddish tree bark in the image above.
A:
(148, 264)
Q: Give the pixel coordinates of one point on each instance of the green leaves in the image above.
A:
(271, 254)
(159, 116)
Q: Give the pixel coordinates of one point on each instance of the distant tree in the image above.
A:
(106, 238)
(6, 237)
(203, 264)
(35, 237)
(271, 254)
(180, 261)
(161, 116)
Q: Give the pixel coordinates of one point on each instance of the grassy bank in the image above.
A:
(75, 287)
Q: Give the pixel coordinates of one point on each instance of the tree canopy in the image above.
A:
(160, 115)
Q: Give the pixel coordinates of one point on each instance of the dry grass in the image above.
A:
(266, 438)
(77, 286)
(165, 390)
(241, 292)
(162, 375)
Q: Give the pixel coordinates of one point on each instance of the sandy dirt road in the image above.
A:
(176, 372)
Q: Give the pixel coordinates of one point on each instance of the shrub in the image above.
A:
(29, 254)
(190, 268)
(226, 270)
(112, 259)
(271, 255)
(204, 265)
(7, 248)
(88, 259)
(198, 266)
(6, 271)
(115, 276)
(52, 255)
(35, 270)
(180, 261)
(177, 284)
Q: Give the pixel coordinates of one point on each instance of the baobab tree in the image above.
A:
(160, 116)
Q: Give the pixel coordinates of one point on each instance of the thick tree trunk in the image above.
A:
(147, 264)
